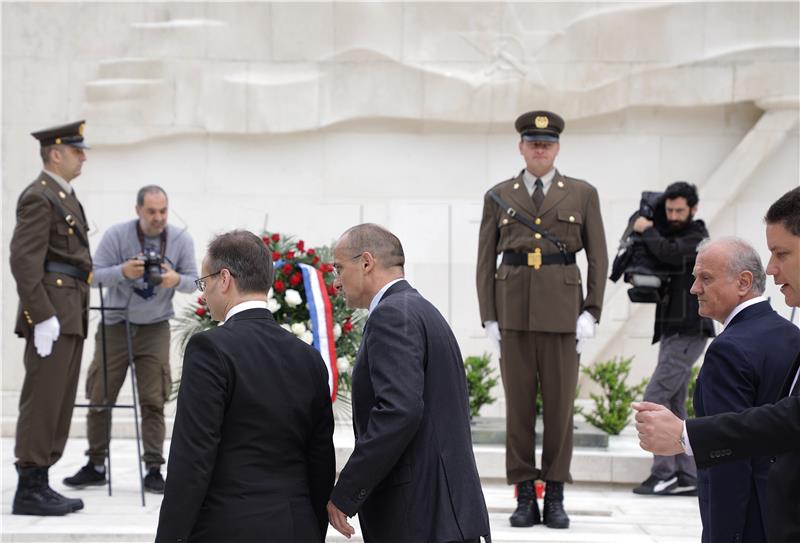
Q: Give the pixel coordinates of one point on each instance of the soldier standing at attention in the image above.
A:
(531, 301)
(52, 266)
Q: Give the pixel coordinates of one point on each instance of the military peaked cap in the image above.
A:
(539, 126)
(68, 134)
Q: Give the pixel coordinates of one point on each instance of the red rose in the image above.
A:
(276, 256)
(200, 311)
(301, 245)
(279, 286)
(289, 255)
(276, 237)
(331, 290)
(265, 239)
(326, 268)
(287, 269)
(315, 260)
(347, 327)
(201, 301)
(295, 279)
(311, 252)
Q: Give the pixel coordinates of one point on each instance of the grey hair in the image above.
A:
(149, 189)
(741, 257)
(377, 240)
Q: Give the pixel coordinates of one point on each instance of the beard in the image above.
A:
(677, 226)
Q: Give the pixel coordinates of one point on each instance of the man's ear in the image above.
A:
(745, 281)
(368, 263)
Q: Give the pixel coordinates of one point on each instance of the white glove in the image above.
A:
(493, 333)
(45, 334)
(584, 329)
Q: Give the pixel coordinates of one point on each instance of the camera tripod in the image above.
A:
(108, 406)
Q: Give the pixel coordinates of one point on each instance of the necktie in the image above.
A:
(538, 194)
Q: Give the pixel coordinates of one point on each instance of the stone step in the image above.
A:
(492, 431)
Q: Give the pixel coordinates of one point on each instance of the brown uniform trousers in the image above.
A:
(42, 234)
(150, 346)
(537, 310)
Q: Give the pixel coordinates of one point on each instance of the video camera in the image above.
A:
(634, 262)
(152, 266)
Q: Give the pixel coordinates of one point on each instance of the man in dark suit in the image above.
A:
(530, 294)
(758, 431)
(252, 455)
(51, 264)
(412, 475)
(743, 367)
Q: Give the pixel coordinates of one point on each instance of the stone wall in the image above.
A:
(311, 117)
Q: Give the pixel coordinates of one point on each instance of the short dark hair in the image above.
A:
(682, 189)
(378, 241)
(148, 189)
(786, 210)
(244, 255)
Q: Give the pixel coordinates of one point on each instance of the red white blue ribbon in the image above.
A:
(319, 307)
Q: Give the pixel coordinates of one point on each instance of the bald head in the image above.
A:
(371, 238)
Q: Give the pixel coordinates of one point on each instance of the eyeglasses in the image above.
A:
(337, 268)
(201, 283)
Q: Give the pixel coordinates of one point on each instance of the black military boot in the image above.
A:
(527, 512)
(75, 503)
(554, 514)
(34, 497)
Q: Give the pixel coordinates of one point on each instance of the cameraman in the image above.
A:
(680, 329)
(141, 263)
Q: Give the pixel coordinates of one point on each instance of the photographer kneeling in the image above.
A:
(140, 263)
(678, 326)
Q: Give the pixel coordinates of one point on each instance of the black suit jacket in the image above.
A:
(412, 476)
(744, 367)
(764, 430)
(252, 455)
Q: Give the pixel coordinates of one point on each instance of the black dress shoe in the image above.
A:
(527, 511)
(35, 497)
(86, 476)
(554, 514)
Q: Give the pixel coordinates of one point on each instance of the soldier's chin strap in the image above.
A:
(511, 212)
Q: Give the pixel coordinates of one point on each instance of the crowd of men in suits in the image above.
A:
(252, 453)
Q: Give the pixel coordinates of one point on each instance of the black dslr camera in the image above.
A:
(152, 266)
(634, 262)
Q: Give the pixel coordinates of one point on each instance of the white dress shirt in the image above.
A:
(530, 181)
(60, 180)
(377, 298)
(244, 306)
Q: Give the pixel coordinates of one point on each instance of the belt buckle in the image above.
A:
(535, 259)
(89, 278)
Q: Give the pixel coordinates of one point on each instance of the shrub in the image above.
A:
(480, 382)
(612, 408)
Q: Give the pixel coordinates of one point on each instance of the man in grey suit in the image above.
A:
(412, 474)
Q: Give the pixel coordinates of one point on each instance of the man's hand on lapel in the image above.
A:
(339, 521)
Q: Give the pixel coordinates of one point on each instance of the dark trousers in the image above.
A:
(527, 360)
(46, 401)
(668, 387)
(150, 344)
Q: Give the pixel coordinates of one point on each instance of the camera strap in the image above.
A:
(511, 212)
(162, 251)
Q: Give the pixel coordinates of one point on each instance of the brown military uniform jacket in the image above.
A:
(551, 298)
(42, 234)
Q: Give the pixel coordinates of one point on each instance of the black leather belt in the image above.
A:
(68, 269)
(535, 260)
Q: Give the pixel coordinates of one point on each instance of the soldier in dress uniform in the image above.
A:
(51, 264)
(531, 300)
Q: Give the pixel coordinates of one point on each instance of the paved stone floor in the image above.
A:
(600, 512)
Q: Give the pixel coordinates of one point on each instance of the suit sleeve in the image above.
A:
(321, 456)
(28, 252)
(195, 439)
(729, 384)
(487, 261)
(759, 431)
(594, 242)
(395, 350)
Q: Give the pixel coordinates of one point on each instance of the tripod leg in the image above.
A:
(132, 367)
